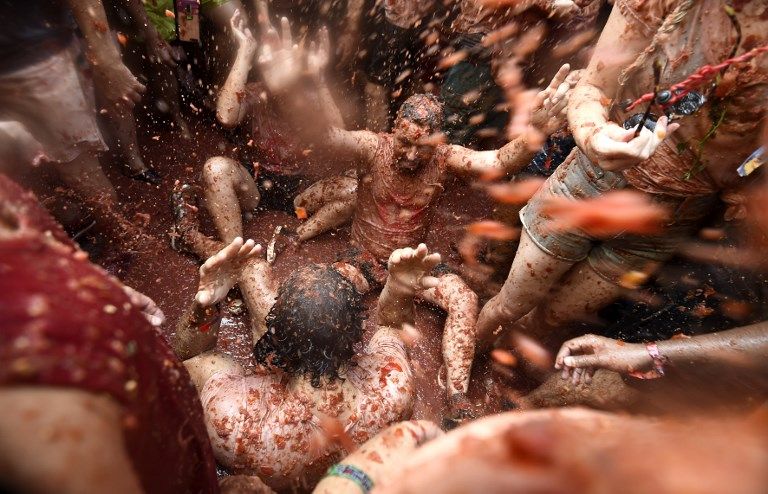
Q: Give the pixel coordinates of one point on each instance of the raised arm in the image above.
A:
(198, 328)
(607, 143)
(745, 348)
(287, 69)
(231, 106)
(119, 84)
(408, 270)
(546, 117)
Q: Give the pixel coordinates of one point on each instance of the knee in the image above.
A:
(217, 168)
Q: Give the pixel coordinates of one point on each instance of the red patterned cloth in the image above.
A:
(64, 322)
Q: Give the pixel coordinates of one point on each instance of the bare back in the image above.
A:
(270, 424)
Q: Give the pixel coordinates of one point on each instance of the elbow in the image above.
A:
(227, 119)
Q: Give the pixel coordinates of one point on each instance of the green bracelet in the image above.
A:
(352, 473)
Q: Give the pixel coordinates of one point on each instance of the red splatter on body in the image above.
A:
(385, 371)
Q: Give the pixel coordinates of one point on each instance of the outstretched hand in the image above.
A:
(408, 268)
(580, 357)
(550, 106)
(219, 273)
(280, 60)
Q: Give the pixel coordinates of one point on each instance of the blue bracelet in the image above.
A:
(352, 473)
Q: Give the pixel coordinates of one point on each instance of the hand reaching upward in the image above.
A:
(220, 272)
(408, 268)
(242, 33)
(280, 60)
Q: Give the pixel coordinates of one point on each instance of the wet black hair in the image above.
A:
(314, 324)
(423, 109)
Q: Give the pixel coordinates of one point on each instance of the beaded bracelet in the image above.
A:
(352, 473)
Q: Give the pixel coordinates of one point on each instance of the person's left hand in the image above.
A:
(146, 305)
(219, 273)
(408, 268)
(242, 33)
(580, 357)
(550, 106)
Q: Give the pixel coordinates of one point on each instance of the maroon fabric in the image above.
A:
(22, 206)
(65, 322)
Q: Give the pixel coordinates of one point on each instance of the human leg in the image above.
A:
(582, 293)
(86, 178)
(330, 201)
(228, 186)
(167, 87)
(533, 273)
(123, 140)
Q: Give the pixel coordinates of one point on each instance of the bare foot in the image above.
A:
(220, 272)
(408, 268)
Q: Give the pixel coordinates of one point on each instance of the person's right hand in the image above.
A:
(242, 33)
(280, 60)
(580, 357)
(615, 148)
(408, 268)
(219, 273)
(117, 84)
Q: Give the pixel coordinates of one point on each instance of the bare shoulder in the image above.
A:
(204, 366)
(45, 431)
(384, 371)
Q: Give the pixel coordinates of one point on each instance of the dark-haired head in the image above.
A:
(420, 117)
(314, 324)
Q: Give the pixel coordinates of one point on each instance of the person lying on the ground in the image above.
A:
(401, 174)
(684, 172)
(276, 160)
(277, 422)
(93, 398)
(741, 348)
(581, 451)
(378, 458)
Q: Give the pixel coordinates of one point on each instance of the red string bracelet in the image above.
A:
(698, 78)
